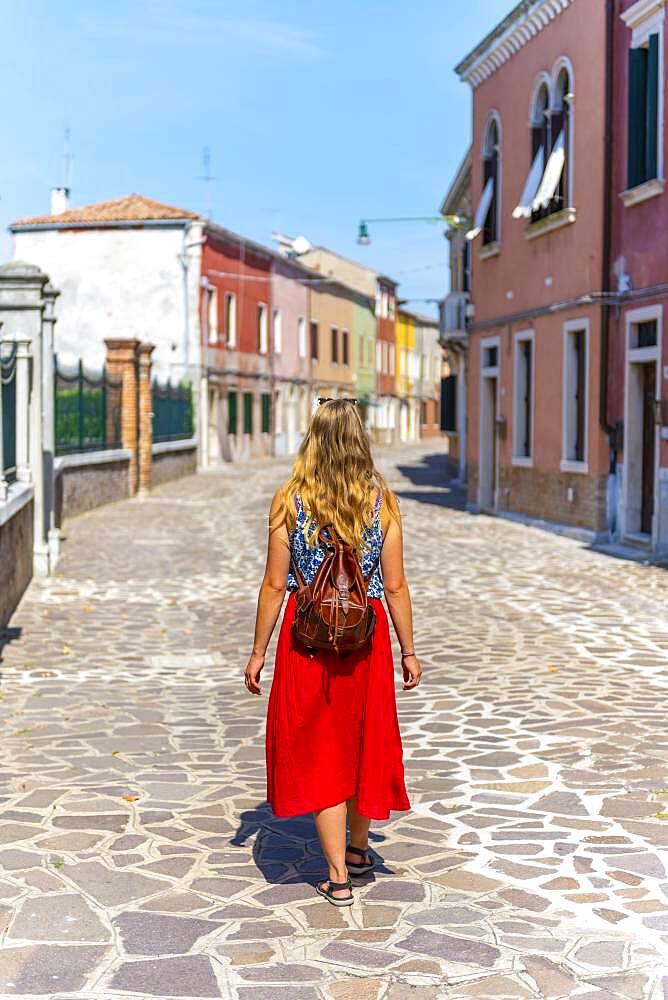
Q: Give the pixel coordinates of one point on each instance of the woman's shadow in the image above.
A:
(288, 849)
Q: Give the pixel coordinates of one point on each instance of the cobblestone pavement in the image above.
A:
(138, 855)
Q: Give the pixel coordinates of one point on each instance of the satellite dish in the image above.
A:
(301, 245)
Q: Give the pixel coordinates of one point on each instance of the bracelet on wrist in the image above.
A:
(410, 653)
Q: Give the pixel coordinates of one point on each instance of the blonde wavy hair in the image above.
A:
(335, 476)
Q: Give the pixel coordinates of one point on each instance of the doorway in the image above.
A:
(648, 448)
(641, 440)
(488, 484)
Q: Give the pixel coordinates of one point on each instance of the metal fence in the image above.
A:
(8, 414)
(87, 410)
(172, 411)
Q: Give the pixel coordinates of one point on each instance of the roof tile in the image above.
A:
(131, 208)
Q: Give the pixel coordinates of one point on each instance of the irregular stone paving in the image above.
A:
(138, 856)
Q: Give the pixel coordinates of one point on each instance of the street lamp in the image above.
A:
(364, 239)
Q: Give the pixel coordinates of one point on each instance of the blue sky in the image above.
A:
(315, 114)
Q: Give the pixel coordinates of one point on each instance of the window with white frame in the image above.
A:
(212, 314)
(262, 331)
(301, 337)
(523, 402)
(576, 363)
(486, 219)
(231, 319)
(645, 93)
(278, 331)
(391, 359)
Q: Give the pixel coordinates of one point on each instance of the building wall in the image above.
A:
(639, 248)
(640, 256)
(428, 385)
(364, 348)
(331, 305)
(120, 283)
(231, 265)
(515, 279)
(290, 294)
(350, 272)
(530, 274)
(541, 489)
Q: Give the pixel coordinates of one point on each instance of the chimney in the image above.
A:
(60, 200)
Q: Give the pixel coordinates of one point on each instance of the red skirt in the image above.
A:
(332, 727)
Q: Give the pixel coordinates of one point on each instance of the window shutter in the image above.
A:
(449, 403)
(652, 120)
(248, 413)
(232, 412)
(489, 225)
(637, 116)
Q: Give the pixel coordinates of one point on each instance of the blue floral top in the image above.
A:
(308, 558)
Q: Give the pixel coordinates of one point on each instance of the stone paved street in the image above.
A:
(138, 856)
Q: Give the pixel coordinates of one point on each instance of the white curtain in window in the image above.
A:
(482, 209)
(523, 208)
(552, 175)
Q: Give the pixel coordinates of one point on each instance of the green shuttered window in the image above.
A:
(248, 413)
(266, 413)
(643, 112)
(232, 413)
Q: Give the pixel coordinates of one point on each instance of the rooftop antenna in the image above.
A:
(67, 160)
(207, 178)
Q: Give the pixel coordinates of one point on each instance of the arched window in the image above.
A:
(546, 189)
(560, 123)
(487, 213)
(539, 121)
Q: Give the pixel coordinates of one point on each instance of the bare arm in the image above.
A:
(270, 597)
(397, 593)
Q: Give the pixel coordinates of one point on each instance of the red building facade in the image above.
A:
(637, 398)
(535, 445)
(238, 397)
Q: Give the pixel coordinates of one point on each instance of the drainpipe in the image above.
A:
(609, 429)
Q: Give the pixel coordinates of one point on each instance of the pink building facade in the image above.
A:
(292, 364)
(537, 447)
(637, 402)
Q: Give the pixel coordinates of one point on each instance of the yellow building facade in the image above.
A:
(407, 375)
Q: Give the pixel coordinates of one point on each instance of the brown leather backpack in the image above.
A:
(333, 611)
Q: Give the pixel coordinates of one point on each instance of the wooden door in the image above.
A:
(648, 447)
(495, 438)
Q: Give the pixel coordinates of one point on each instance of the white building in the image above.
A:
(125, 268)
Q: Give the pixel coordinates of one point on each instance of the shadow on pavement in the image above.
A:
(432, 471)
(290, 843)
(8, 635)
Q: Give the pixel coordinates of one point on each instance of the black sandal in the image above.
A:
(336, 900)
(361, 867)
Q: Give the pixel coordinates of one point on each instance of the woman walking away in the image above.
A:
(333, 745)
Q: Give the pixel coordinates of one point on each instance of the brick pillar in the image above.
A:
(122, 366)
(144, 352)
